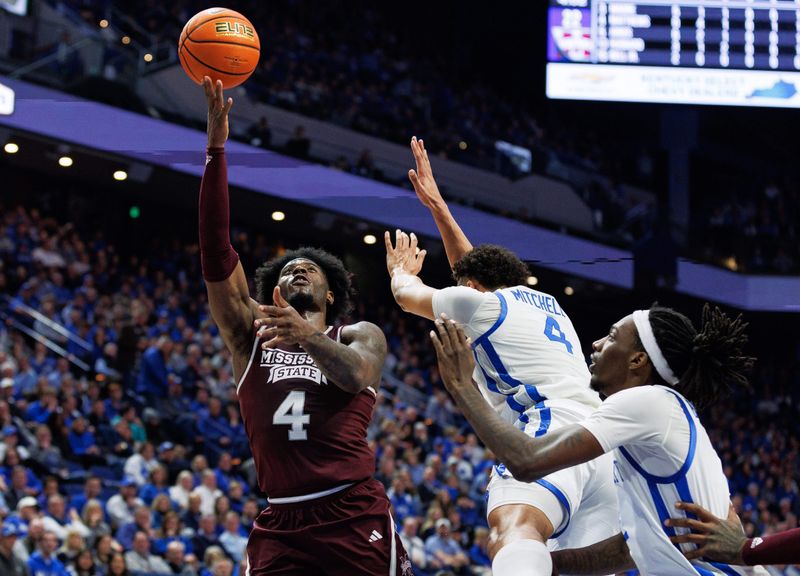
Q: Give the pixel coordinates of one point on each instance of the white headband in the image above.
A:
(641, 318)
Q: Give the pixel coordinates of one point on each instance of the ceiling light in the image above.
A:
(11, 148)
(120, 175)
(370, 239)
(65, 161)
(278, 216)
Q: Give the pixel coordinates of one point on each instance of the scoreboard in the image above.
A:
(723, 52)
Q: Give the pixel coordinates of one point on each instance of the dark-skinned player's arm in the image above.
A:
(528, 459)
(725, 540)
(610, 556)
(352, 364)
(404, 264)
(456, 243)
(228, 293)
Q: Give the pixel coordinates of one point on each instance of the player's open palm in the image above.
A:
(404, 255)
(283, 324)
(218, 109)
(422, 178)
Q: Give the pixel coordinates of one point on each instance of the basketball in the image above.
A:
(221, 44)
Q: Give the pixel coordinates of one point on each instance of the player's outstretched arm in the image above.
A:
(725, 540)
(611, 556)
(404, 264)
(456, 243)
(352, 364)
(528, 459)
(228, 294)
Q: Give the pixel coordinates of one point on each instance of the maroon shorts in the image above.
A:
(347, 533)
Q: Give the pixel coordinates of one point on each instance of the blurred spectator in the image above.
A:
(479, 552)
(10, 565)
(43, 561)
(413, 543)
(444, 552)
(120, 506)
(299, 144)
(139, 559)
(176, 560)
(233, 540)
(259, 134)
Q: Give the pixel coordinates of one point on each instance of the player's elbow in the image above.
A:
(524, 470)
(402, 297)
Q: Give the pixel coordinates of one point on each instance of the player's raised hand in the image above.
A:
(218, 109)
(716, 539)
(454, 353)
(404, 255)
(283, 324)
(422, 178)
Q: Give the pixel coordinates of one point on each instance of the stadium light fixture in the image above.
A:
(569, 290)
(103, 23)
(126, 40)
(370, 239)
(278, 216)
(462, 145)
(120, 175)
(148, 57)
(65, 161)
(11, 148)
(532, 280)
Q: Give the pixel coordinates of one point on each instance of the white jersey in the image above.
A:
(662, 454)
(526, 350)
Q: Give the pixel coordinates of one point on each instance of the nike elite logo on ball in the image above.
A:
(233, 29)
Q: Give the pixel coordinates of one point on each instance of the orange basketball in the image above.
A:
(221, 44)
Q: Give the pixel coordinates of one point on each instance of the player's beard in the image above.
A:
(301, 301)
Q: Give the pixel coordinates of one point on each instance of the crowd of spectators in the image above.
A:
(140, 463)
(756, 232)
(348, 66)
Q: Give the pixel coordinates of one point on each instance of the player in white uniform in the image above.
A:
(646, 368)
(531, 370)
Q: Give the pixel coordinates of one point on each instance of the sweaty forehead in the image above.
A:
(625, 327)
(292, 263)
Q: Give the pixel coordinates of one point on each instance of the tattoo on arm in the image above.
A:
(607, 557)
(354, 366)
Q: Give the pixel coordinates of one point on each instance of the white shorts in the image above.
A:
(580, 502)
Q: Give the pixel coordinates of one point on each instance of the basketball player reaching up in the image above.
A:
(662, 454)
(306, 395)
(530, 370)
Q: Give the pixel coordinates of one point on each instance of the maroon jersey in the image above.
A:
(306, 434)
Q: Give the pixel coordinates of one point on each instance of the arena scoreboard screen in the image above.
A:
(718, 52)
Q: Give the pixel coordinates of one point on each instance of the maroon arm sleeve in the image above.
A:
(218, 259)
(780, 548)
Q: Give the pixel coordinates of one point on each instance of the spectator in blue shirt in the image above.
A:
(92, 489)
(43, 562)
(41, 410)
(214, 429)
(82, 442)
(444, 552)
(225, 473)
(142, 522)
(152, 382)
(233, 540)
(479, 553)
(156, 485)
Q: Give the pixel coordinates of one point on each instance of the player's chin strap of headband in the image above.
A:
(641, 318)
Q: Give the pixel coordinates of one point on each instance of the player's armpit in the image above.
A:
(233, 311)
(610, 556)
